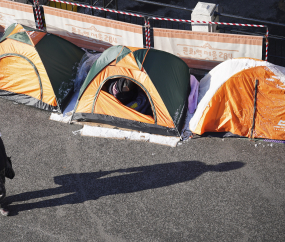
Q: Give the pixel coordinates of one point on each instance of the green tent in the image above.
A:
(37, 68)
(163, 77)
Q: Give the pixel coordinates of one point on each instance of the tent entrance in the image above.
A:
(136, 98)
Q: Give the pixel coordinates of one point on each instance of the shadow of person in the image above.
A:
(80, 187)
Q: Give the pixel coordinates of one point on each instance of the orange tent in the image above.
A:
(37, 67)
(163, 77)
(242, 96)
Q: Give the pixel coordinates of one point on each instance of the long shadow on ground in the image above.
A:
(81, 187)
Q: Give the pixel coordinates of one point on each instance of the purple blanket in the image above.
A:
(193, 97)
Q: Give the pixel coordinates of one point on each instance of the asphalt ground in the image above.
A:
(70, 187)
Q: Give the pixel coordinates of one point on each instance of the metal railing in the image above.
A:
(276, 49)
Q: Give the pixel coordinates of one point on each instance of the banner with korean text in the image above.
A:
(204, 50)
(92, 32)
(11, 12)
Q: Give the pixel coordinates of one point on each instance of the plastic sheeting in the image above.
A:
(84, 66)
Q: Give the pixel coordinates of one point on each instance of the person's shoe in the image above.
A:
(4, 211)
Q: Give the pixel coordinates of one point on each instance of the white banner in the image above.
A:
(206, 50)
(92, 32)
(11, 12)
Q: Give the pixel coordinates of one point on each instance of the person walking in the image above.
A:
(6, 170)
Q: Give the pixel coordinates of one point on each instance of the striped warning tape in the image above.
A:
(267, 43)
(147, 34)
(205, 22)
(38, 14)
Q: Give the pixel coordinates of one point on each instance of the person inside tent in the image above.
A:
(131, 95)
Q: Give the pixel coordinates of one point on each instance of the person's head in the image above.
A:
(127, 85)
(127, 91)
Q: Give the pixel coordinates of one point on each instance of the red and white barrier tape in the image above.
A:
(147, 34)
(267, 43)
(205, 22)
(40, 17)
(38, 14)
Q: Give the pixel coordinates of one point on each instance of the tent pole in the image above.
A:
(254, 108)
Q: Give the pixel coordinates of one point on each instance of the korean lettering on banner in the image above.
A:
(206, 52)
(11, 12)
(94, 33)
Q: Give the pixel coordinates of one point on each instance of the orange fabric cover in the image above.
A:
(128, 62)
(231, 108)
(110, 106)
(35, 36)
(107, 104)
(17, 74)
(134, 48)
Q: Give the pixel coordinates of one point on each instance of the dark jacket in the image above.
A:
(3, 162)
(3, 157)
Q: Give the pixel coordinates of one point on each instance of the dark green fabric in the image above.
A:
(105, 59)
(139, 56)
(123, 53)
(22, 37)
(12, 27)
(170, 75)
(60, 58)
(27, 100)
(8, 31)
